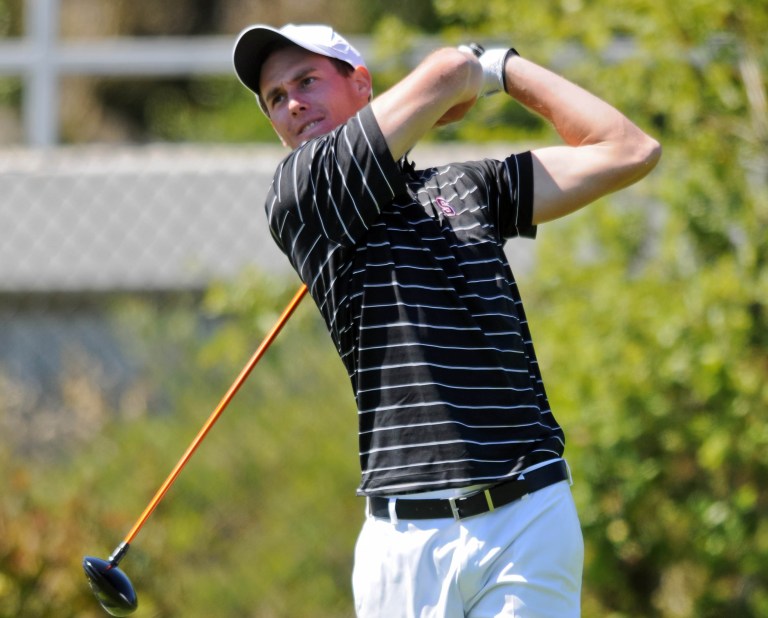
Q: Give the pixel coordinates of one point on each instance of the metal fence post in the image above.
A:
(41, 92)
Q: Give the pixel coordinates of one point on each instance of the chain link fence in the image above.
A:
(158, 218)
(84, 227)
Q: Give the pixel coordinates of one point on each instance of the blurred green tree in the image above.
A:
(649, 307)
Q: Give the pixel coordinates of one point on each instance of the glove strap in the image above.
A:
(510, 52)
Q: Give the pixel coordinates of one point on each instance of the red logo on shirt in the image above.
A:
(445, 206)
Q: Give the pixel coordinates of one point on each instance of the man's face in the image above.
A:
(306, 96)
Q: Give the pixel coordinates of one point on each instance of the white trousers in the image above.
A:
(523, 560)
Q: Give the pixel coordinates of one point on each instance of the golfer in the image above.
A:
(468, 501)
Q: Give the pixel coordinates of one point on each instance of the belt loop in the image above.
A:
(489, 500)
(392, 506)
(454, 509)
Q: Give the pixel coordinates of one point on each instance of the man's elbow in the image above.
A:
(645, 154)
(651, 152)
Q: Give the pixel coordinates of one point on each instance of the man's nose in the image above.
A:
(296, 103)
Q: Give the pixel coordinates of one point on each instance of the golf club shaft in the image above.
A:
(215, 415)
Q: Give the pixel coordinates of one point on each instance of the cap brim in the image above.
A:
(248, 53)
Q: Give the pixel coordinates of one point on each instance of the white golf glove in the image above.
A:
(493, 62)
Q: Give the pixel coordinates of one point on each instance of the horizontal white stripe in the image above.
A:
(435, 346)
(405, 447)
(442, 462)
(454, 422)
(447, 367)
(442, 385)
(468, 480)
(447, 404)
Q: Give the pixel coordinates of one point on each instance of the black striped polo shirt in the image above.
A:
(408, 270)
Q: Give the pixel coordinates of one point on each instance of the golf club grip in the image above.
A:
(217, 412)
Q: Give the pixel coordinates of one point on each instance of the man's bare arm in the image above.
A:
(603, 151)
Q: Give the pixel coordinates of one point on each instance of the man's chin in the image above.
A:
(305, 137)
(320, 129)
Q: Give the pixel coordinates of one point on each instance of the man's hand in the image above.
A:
(456, 113)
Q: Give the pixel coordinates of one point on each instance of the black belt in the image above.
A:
(475, 503)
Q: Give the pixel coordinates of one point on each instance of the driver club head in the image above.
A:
(111, 586)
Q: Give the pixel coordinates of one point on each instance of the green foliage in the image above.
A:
(262, 520)
(10, 87)
(10, 92)
(205, 109)
(10, 17)
(420, 15)
(655, 374)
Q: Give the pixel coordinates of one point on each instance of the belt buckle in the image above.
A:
(455, 502)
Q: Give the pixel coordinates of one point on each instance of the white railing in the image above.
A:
(40, 58)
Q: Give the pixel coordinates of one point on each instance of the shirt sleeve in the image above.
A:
(516, 196)
(330, 190)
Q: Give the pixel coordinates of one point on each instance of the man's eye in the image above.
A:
(307, 81)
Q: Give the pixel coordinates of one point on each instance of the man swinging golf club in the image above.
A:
(469, 509)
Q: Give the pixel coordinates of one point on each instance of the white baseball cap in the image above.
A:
(253, 41)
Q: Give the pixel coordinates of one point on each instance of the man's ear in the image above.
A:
(363, 82)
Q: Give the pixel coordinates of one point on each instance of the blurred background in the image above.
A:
(137, 278)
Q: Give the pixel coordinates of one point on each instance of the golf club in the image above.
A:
(110, 585)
